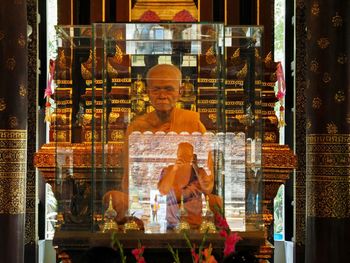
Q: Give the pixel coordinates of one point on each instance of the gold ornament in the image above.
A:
(316, 103)
(332, 128)
(315, 9)
(210, 56)
(183, 225)
(314, 65)
(323, 42)
(2, 104)
(109, 217)
(339, 96)
(10, 64)
(337, 20)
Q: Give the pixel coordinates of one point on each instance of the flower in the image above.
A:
(138, 252)
(230, 243)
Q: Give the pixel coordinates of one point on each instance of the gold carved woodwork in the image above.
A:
(166, 10)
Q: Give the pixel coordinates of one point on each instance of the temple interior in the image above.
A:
(174, 131)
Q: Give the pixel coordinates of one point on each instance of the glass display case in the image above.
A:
(157, 127)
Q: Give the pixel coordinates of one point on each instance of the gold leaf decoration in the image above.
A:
(316, 103)
(22, 90)
(210, 56)
(315, 9)
(314, 65)
(339, 96)
(332, 128)
(13, 122)
(2, 104)
(21, 41)
(323, 42)
(308, 124)
(342, 59)
(10, 64)
(337, 20)
(348, 118)
(326, 77)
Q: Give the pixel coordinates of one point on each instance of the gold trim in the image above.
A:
(327, 175)
(225, 15)
(71, 13)
(258, 12)
(199, 10)
(103, 10)
(13, 158)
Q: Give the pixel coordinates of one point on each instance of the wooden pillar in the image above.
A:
(328, 131)
(13, 129)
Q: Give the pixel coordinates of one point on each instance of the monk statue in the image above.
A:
(187, 181)
(163, 87)
(164, 91)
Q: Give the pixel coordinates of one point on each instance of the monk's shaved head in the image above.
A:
(164, 72)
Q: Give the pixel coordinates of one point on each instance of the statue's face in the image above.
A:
(163, 89)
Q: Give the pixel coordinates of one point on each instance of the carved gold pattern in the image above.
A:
(13, 158)
(113, 117)
(323, 42)
(308, 124)
(117, 135)
(243, 72)
(342, 59)
(210, 56)
(326, 77)
(2, 104)
(2, 35)
(235, 56)
(21, 41)
(316, 103)
(332, 128)
(314, 65)
(328, 180)
(315, 9)
(348, 118)
(10, 64)
(339, 96)
(337, 20)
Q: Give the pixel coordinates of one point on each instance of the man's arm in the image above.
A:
(167, 179)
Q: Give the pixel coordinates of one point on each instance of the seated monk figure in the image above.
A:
(163, 83)
(163, 86)
(185, 180)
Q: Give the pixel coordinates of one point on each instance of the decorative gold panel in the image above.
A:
(13, 157)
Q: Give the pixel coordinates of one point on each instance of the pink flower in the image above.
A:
(230, 243)
(137, 252)
(223, 233)
(195, 256)
(221, 222)
(208, 257)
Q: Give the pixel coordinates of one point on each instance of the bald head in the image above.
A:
(163, 87)
(164, 72)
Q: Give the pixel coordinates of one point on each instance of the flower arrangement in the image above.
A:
(201, 255)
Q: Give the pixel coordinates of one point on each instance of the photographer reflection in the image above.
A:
(185, 178)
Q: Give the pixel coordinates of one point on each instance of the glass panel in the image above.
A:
(150, 139)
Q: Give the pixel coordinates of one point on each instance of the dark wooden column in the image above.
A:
(13, 129)
(328, 131)
(300, 135)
